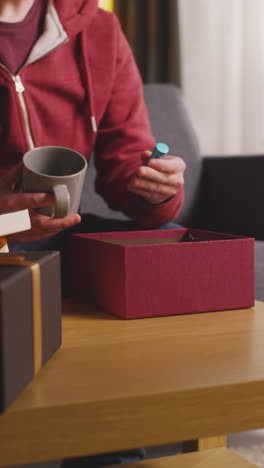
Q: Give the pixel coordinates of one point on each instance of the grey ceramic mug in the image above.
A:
(58, 170)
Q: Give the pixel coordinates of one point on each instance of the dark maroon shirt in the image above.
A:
(17, 39)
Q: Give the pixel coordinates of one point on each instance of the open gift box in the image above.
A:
(163, 272)
(30, 317)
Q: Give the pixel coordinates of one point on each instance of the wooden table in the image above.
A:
(118, 384)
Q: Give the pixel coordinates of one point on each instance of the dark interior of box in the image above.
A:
(186, 236)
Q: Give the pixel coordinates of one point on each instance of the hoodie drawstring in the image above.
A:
(87, 71)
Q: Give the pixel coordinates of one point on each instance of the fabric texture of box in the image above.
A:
(157, 273)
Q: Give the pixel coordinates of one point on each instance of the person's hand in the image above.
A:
(41, 226)
(159, 180)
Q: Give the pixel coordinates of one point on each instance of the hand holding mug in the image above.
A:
(35, 199)
(56, 170)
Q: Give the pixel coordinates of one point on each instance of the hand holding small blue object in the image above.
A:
(160, 176)
(160, 150)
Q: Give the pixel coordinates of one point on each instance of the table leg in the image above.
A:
(204, 444)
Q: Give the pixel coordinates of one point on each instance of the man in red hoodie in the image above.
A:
(68, 78)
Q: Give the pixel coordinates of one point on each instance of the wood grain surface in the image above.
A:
(219, 458)
(117, 384)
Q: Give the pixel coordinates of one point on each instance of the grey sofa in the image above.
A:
(222, 193)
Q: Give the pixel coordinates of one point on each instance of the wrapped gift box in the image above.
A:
(30, 317)
(163, 272)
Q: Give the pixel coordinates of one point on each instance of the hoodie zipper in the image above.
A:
(20, 89)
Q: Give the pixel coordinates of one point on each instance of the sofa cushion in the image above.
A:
(259, 270)
(93, 203)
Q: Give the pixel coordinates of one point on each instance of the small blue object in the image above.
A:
(159, 151)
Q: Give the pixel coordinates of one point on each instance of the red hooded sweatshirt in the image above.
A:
(80, 88)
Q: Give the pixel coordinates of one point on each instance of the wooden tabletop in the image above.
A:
(117, 384)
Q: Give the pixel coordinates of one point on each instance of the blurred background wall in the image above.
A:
(106, 4)
(222, 67)
(152, 29)
(212, 50)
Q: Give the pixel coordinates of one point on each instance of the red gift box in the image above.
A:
(163, 272)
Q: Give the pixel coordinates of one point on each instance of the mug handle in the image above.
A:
(62, 207)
